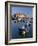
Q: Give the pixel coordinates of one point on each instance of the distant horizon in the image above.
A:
(23, 14)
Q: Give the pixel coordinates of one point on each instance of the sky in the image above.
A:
(24, 10)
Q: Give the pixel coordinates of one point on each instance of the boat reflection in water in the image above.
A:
(23, 32)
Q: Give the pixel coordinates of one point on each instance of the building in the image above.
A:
(22, 16)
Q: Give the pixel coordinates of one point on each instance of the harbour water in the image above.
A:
(15, 30)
